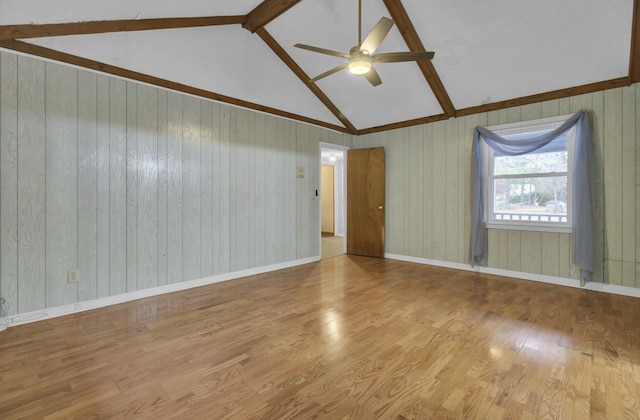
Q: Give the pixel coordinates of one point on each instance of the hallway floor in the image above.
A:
(332, 246)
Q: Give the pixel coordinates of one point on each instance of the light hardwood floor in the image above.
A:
(331, 246)
(347, 337)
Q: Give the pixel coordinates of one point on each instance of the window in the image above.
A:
(530, 191)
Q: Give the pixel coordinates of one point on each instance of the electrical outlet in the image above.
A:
(73, 275)
(274, 246)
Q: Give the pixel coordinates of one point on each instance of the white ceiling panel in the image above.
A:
(495, 50)
(485, 52)
(14, 12)
(226, 60)
(403, 95)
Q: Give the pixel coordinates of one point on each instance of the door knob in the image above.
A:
(380, 207)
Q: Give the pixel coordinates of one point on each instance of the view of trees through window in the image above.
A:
(534, 184)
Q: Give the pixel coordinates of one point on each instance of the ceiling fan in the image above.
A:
(361, 57)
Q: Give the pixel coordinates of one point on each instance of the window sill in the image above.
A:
(529, 227)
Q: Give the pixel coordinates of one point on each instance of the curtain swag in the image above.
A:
(583, 245)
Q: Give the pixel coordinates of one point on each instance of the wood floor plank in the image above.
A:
(347, 337)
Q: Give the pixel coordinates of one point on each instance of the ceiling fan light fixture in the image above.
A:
(359, 66)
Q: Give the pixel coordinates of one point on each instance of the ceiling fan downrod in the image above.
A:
(359, 22)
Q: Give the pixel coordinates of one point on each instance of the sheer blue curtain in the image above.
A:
(582, 192)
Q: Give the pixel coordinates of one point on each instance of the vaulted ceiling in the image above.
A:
(488, 54)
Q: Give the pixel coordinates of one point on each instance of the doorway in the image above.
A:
(332, 200)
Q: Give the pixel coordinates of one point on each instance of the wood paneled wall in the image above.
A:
(428, 190)
(139, 187)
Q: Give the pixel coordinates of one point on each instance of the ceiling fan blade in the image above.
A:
(322, 50)
(396, 57)
(373, 77)
(329, 72)
(376, 36)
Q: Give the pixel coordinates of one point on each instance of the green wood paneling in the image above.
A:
(436, 186)
(139, 187)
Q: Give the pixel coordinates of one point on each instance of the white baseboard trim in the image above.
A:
(561, 281)
(57, 311)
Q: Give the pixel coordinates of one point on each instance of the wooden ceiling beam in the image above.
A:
(295, 68)
(411, 38)
(547, 96)
(634, 58)
(509, 103)
(267, 11)
(106, 26)
(54, 55)
(403, 124)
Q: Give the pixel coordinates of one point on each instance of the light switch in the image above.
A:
(299, 171)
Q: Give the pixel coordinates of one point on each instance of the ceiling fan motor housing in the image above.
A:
(360, 61)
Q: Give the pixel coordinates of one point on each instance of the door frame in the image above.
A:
(343, 210)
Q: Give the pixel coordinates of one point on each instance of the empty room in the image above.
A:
(172, 175)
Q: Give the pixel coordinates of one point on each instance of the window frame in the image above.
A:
(521, 127)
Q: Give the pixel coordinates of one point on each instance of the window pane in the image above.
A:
(531, 163)
(530, 199)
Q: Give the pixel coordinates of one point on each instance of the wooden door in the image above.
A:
(365, 202)
(326, 201)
